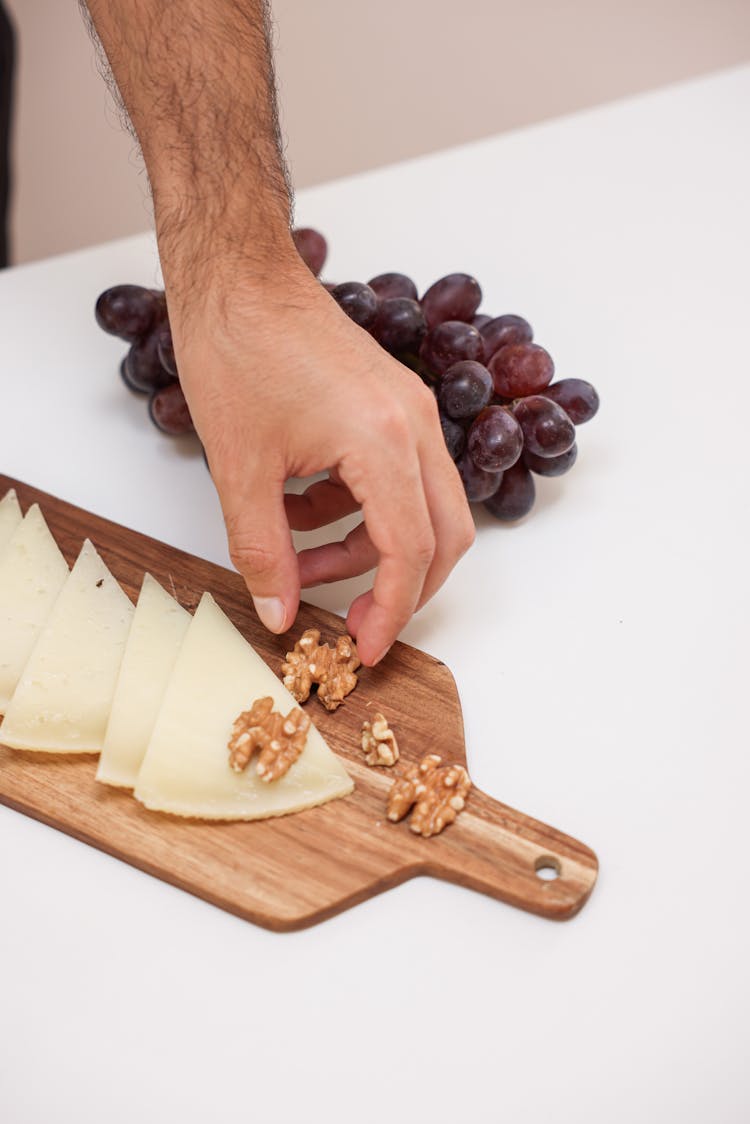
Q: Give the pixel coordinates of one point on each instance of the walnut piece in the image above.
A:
(437, 792)
(379, 742)
(331, 668)
(279, 739)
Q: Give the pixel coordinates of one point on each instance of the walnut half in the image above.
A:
(331, 668)
(437, 793)
(279, 739)
(379, 742)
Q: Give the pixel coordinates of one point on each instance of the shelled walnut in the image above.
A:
(331, 668)
(379, 742)
(279, 739)
(438, 793)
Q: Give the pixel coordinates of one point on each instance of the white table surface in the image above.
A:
(599, 648)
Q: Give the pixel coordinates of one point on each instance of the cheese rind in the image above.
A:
(63, 698)
(10, 516)
(32, 573)
(154, 640)
(186, 769)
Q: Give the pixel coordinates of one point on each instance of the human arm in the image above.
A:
(279, 381)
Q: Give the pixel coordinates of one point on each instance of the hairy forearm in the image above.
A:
(196, 78)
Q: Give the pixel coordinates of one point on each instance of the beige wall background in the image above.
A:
(361, 84)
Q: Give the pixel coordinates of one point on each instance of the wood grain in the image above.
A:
(291, 872)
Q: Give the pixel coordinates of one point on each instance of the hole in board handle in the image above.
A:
(547, 868)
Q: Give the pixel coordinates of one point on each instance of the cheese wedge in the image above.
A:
(10, 516)
(155, 637)
(186, 768)
(63, 698)
(32, 573)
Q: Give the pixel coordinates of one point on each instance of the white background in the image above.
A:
(360, 85)
(599, 649)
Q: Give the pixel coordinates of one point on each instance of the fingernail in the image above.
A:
(271, 612)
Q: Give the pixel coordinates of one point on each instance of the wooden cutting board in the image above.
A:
(294, 871)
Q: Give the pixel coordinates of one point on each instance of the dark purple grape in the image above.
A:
(480, 320)
(165, 351)
(520, 369)
(411, 360)
(358, 302)
(389, 285)
(455, 438)
(465, 389)
(311, 247)
(478, 484)
(449, 342)
(126, 378)
(547, 429)
(416, 364)
(577, 397)
(169, 411)
(455, 297)
(129, 311)
(551, 466)
(504, 330)
(399, 325)
(143, 368)
(495, 439)
(515, 496)
(161, 316)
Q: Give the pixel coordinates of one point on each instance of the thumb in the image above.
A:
(261, 548)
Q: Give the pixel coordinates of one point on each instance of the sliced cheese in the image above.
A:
(186, 768)
(155, 637)
(32, 573)
(10, 516)
(63, 698)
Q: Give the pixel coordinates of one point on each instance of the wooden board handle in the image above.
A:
(501, 852)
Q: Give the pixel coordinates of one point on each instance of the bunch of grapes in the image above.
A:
(503, 418)
(139, 316)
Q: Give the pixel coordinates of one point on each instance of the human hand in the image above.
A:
(281, 383)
